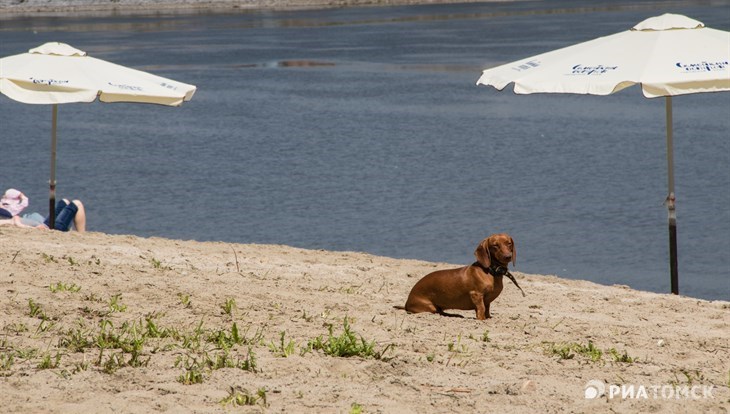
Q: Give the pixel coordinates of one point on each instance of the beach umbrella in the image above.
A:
(667, 55)
(56, 73)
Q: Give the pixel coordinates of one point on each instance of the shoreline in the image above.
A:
(95, 322)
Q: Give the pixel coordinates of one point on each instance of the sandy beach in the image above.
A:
(109, 323)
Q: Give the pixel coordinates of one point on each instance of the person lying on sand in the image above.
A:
(67, 212)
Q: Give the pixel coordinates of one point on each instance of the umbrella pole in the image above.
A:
(52, 182)
(670, 202)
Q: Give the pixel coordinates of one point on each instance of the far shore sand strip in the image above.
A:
(8, 8)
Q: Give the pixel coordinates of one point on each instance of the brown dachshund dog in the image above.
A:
(470, 287)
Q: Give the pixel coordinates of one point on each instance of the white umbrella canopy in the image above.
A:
(56, 73)
(667, 55)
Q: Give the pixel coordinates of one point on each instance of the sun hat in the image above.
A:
(14, 201)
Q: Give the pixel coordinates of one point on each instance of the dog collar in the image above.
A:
(493, 270)
(500, 271)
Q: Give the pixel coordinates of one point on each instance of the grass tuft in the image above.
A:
(283, 349)
(63, 287)
(345, 345)
(621, 357)
(239, 397)
(570, 350)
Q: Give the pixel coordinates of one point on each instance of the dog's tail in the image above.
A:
(400, 307)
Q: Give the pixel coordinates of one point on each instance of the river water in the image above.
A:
(362, 129)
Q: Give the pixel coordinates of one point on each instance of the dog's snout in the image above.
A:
(506, 257)
(502, 254)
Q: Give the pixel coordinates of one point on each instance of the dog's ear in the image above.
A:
(482, 253)
(514, 252)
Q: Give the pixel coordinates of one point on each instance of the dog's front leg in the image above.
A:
(477, 299)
